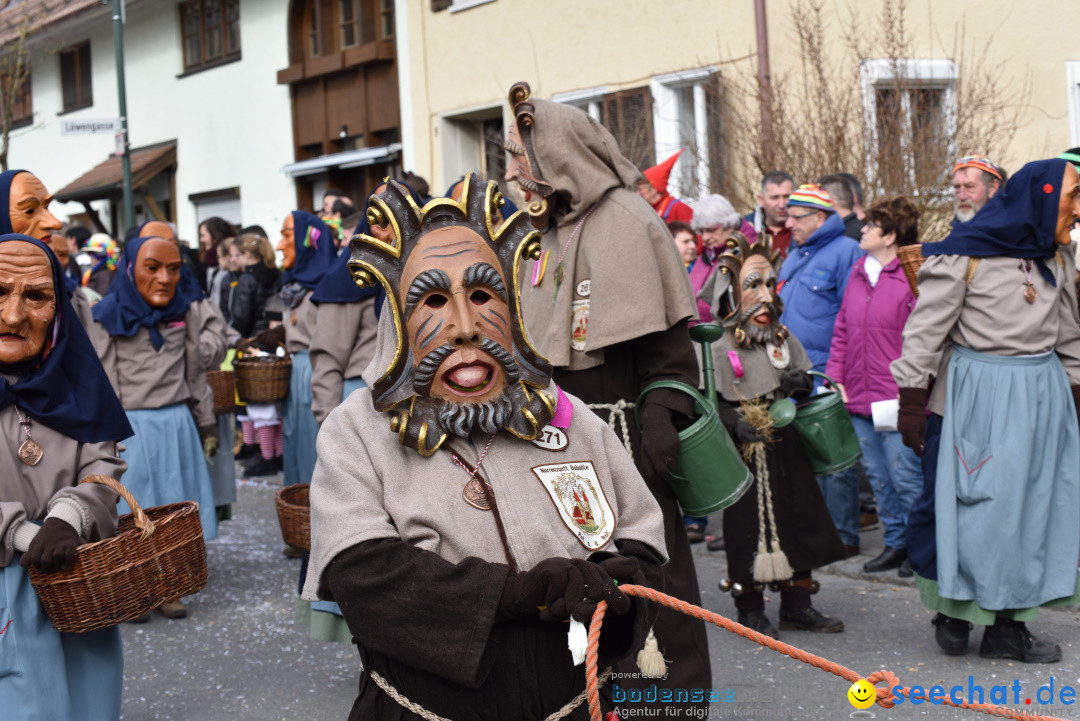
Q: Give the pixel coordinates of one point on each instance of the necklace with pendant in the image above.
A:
(1029, 289)
(475, 493)
(30, 452)
(560, 269)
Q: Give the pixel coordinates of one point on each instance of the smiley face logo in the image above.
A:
(861, 694)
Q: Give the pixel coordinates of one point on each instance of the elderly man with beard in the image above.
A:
(975, 180)
(757, 362)
(463, 506)
(608, 301)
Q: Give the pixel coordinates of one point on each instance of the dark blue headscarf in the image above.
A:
(123, 311)
(315, 250)
(5, 199)
(67, 390)
(189, 285)
(1018, 222)
(338, 286)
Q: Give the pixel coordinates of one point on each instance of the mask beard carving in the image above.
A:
(751, 307)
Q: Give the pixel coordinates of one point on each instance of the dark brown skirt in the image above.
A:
(807, 533)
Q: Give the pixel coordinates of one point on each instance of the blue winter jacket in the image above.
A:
(812, 282)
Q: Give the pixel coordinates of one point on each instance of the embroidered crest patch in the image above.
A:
(778, 354)
(575, 490)
(579, 324)
(551, 439)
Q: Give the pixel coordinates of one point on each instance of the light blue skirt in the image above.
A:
(45, 674)
(299, 428)
(1008, 486)
(324, 617)
(166, 463)
(350, 385)
(223, 467)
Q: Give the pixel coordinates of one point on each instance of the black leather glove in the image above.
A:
(53, 548)
(210, 439)
(659, 441)
(746, 433)
(796, 384)
(548, 584)
(911, 418)
(598, 586)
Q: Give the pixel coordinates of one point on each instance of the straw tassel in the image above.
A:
(650, 661)
(768, 565)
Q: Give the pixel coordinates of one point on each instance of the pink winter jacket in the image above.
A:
(869, 335)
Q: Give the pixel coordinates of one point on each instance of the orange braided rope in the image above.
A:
(884, 695)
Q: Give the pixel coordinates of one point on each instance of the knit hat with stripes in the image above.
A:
(812, 196)
(981, 162)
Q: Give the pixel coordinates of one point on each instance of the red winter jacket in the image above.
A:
(868, 334)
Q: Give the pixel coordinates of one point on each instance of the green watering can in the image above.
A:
(709, 475)
(824, 427)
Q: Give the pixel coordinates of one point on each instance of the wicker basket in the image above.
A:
(294, 514)
(911, 259)
(224, 388)
(262, 379)
(156, 556)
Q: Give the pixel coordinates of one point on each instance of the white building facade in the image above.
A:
(198, 78)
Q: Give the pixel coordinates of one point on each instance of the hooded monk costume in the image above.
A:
(462, 490)
(607, 303)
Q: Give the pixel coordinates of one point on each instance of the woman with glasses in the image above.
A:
(867, 337)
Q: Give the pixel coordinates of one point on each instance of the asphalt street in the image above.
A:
(239, 656)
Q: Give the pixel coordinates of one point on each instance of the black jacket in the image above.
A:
(247, 305)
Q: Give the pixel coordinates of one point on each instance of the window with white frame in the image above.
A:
(472, 142)
(909, 112)
(1072, 76)
(686, 114)
(591, 100)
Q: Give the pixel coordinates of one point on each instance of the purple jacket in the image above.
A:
(869, 335)
(700, 270)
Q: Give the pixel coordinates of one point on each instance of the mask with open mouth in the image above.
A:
(462, 362)
(742, 292)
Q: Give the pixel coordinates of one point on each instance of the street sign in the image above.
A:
(90, 127)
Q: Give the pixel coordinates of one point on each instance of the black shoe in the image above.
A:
(715, 543)
(951, 634)
(905, 570)
(246, 452)
(279, 463)
(850, 551)
(756, 620)
(808, 619)
(695, 532)
(887, 559)
(262, 467)
(1011, 639)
